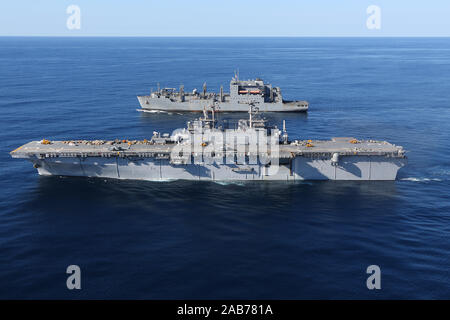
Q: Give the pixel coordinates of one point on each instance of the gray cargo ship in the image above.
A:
(207, 150)
(242, 92)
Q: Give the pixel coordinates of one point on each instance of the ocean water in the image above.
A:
(135, 239)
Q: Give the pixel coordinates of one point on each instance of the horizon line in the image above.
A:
(220, 36)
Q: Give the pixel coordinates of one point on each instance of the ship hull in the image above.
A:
(166, 104)
(152, 169)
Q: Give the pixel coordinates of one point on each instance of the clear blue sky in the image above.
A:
(225, 18)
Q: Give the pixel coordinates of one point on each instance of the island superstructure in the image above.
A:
(242, 92)
(196, 153)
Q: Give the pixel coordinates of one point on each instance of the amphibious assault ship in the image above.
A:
(242, 92)
(207, 150)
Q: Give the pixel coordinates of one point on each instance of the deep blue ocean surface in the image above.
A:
(208, 240)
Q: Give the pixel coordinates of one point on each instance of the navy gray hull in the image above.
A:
(166, 104)
(242, 92)
(152, 169)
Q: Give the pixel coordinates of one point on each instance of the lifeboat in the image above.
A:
(243, 91)
(255, 91)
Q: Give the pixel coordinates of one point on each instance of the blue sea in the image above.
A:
(260, 240)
